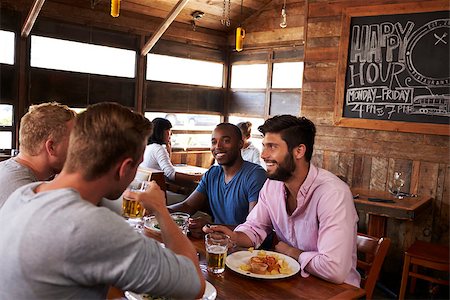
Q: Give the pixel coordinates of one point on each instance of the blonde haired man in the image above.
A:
(56, 243)
(43, 137)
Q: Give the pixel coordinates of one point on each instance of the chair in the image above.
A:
(427, 255)
(371, 254)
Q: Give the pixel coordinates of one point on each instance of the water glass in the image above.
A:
(216, 245)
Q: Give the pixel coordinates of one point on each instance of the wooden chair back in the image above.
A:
(371, 254)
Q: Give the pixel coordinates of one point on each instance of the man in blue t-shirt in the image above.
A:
(229, 190)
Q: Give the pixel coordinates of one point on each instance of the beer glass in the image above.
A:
(132, 209)
(216, 245)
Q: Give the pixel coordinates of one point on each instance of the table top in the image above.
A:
(407, 208)
(190, 170)
(231, 285)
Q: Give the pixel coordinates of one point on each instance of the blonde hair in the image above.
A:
(41, 122)
(104, 134)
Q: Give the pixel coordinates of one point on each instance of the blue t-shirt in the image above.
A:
(229, 202)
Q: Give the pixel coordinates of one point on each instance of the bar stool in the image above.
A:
(427, 255)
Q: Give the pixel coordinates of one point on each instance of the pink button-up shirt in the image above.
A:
(324, 225)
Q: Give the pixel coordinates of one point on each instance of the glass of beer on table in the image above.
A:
(216, 245)
(132, 209)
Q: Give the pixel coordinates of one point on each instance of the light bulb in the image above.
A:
(283, 23)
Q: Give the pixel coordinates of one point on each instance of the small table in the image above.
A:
(408, 208)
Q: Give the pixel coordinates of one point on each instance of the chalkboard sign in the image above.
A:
(394, 68)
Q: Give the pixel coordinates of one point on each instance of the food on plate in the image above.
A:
(265, 264)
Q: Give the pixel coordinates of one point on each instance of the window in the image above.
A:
(256, 136)
(6, 126)
(183, 70)
(249, 76)
(65, 55)
(287, 75)
(7, 51)
(189, 131)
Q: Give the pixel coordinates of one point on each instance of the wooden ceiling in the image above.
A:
(140, 9)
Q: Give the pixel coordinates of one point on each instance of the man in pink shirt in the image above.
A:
(310, 209)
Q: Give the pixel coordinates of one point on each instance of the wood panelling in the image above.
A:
(265, 28)
(195, 158)
(75, 32)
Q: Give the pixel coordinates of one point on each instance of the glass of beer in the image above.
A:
(216, 245)
(133, 210)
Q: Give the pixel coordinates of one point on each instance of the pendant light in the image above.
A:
(283, 23)
(115, 8)
(240, 33)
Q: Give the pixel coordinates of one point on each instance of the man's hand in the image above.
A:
(196, 225)
(284, 248)
(153, 199)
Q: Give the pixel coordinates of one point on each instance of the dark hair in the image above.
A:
(294, 131)
(233, 127)
(246, 128)
(159, 126)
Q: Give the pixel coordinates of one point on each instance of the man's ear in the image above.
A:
(50, 147)
(125, 167)
(299, 151)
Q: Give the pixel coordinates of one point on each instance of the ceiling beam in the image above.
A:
(31, 18)
(163, 27)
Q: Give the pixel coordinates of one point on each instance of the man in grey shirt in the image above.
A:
(43, 137)
(56, 243)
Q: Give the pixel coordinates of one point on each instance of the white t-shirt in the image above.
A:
(252, 154)
(157, 157)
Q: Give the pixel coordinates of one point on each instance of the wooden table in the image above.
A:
(190, 170)
(408, 209)
(231, 285)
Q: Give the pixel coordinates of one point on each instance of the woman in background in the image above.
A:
(249, 152)
(158, 151)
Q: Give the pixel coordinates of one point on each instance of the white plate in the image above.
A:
(210, 294)
(151, 224)
(237, 259)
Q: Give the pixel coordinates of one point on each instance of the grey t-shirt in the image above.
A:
(55, 245)
(12, 176)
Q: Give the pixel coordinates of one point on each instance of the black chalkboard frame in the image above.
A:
(377, 10)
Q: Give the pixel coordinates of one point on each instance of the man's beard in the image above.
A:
(284, 170)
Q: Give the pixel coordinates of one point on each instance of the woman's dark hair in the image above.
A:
(294, 131)
(246, 128)
(159, 126)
